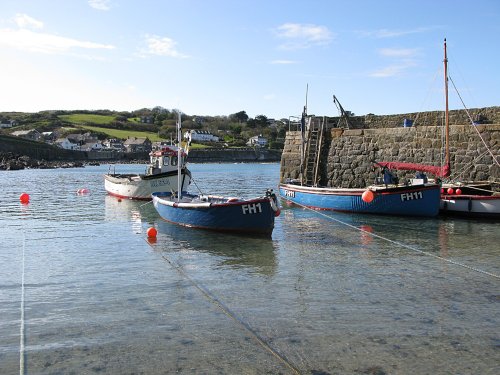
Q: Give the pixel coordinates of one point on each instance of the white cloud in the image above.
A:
(298, 36)
(28, 40)
(26, 22)
(162, 46)
(393, 70)
(100, 4)
(385, 33)
(398, 52)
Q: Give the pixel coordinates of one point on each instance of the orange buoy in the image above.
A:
(368, 196)
(152, 232)
(458, 191)
(449, 191)
(24, 198)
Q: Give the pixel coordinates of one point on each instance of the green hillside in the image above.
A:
(86, 118)
(123, 134)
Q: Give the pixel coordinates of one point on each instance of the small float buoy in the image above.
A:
(152, 232)
(442, 190)
(24, 198)
(449, 191)
(368, 196)
(458, 191)
(83, 191)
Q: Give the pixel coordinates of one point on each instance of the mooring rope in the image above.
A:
(245, 326)
(21, 329)
(402, 244)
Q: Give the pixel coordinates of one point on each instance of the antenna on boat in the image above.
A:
(179, 156)
(302, 137)
(446, 115)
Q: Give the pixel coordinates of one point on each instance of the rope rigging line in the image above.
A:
(403, 245)
(245, 326)
(472, 122)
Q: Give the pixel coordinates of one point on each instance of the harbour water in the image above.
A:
(83, 291)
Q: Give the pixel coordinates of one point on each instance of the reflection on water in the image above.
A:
(232, 250)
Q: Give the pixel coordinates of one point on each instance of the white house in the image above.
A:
(91, 146)
(7, 124)
(258, 141)
(33, 134)
(200, 136)
(66, 144)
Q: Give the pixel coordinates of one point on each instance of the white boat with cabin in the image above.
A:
(160, 176)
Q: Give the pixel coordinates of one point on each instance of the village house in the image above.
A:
(134, 144)
(66, 144)
(200, 136)
(114, 144)
(91, 146)
(258, 141)
(32, 134)
(81, 139)
(49, 137)
(7, 124)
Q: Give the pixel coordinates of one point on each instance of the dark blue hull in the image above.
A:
(416, 200)
(241, 216)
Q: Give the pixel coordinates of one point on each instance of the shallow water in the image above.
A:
(399, 296)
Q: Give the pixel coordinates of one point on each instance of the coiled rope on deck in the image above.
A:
(227, 311)
(402, 244)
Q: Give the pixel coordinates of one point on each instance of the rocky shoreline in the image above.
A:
(10, 161)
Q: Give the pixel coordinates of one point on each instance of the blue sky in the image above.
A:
(218, 57)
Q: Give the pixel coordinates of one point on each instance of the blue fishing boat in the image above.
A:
(225, 214)
(218, 213)
(416, 197)
(412, 200)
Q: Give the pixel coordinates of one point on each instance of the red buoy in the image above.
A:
(368, 196)
(449, 191)
(458, 191)
(24, 198)
(152, 232)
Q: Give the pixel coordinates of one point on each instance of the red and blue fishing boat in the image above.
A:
(224, 214)
(412, 200)
(416, 197)
(218, 213)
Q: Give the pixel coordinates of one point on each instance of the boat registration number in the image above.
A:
(411, 196)
(289, 193)
(254, 208)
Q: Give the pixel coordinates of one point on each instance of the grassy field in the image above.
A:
(123, 134)
(84, 118)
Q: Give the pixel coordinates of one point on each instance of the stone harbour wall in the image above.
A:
(347, 156)
(487, 115)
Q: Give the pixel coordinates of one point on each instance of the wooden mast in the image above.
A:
(446, 116)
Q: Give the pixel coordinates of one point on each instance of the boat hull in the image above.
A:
(474, 206)
(414, 200)
(242, 216)
(135, 186)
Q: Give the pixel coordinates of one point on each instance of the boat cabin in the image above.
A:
(165, 160)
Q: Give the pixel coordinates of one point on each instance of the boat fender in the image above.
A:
(232, 199)
(274, 204)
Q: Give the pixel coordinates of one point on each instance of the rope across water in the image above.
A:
(405, 246)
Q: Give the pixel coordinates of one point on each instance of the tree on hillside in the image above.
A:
(261, 121)
(240, 116)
